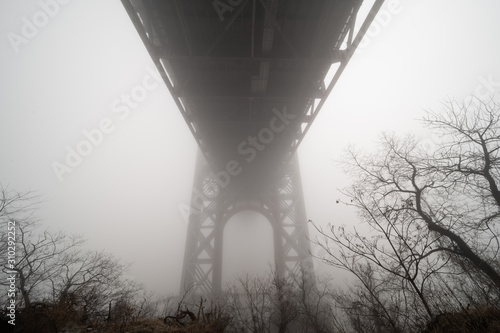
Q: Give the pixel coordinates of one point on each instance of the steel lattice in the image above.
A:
(212, 207)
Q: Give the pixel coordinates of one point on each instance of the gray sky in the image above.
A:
(71, 74)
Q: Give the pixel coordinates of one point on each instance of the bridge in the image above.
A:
(249, 77)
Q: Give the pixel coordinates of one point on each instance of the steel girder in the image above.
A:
(212, 207)
(255, 52)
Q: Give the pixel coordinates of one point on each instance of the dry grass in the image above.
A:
(480, 320)
(62, 317)
(157, 326)
(150, 326)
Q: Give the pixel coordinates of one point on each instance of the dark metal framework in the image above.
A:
(211, 209)
(235, 68)
(229, 63)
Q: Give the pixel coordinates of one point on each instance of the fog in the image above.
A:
(73, 75)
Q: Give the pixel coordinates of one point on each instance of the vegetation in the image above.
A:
(425, 259)
(433, 219)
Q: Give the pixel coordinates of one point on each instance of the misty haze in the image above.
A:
(250, 166)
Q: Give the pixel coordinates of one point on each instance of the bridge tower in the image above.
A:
(211, 208)
(249, 77)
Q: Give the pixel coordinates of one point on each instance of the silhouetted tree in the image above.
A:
(433, 214)
(53, 271)
(250, 303)
(452, 191)
(37, 252)
(276, 304)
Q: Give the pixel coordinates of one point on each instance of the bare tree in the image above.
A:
(37, 253)
(53, 270)
(275, 304)
(284, 299)
(397, 251)
(468, 164)
(315, 305)
(14, 208)
(452, 191)
(433, 221)
(38, 259)
(249, 302)
(79, 270)
(92, 280)
(16, 205)
(369, 303)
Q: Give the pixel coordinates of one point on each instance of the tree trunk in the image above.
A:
(463, 249)
(24, 292)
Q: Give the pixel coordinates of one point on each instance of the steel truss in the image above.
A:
(212, 207)
(153, 31)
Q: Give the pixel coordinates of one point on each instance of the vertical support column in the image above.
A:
(291, 235)
(202, 256)
(218, 246)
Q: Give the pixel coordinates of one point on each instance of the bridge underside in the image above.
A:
(249, 77)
